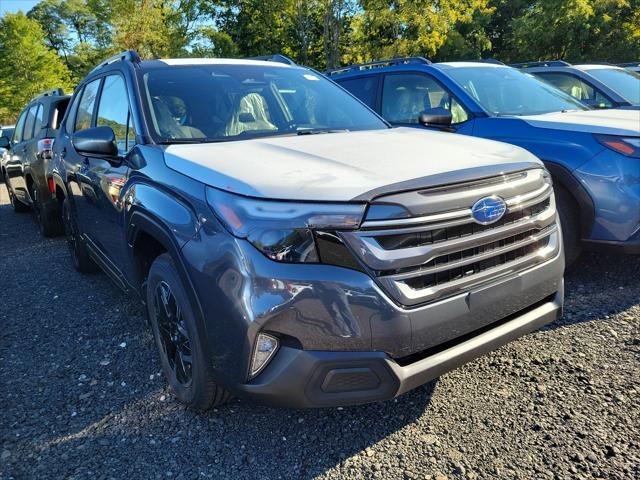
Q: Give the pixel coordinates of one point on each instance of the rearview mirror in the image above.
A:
(97, 141)
(5, 142)
(436, 117)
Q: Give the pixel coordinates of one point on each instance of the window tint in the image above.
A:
(113, 110)
(235, 102)
(576, 88)
(406, 96)
(37, 126)
(85, 108)
(27, 134)
(17, 134)
(365, 88)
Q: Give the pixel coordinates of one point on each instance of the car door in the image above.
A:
(18, 155)
(76, 164)
(405, 95)
(104, 178)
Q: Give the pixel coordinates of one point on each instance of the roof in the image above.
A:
(471, 64)
(596, 66)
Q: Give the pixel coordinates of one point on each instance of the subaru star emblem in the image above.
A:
(488, 210)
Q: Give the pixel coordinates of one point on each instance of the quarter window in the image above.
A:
(113, 110)
(406, 96)
(37, 126)
(87, 104)
(28, 124)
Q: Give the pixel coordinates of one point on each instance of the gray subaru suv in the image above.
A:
(292, 248)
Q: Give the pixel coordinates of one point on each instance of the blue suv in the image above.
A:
(593, 155)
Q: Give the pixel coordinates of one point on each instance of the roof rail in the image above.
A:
(381, 63)
(50, 93)
(493, 61)
(542, 63)
(278, 57)
(629, 64)
(128, 56)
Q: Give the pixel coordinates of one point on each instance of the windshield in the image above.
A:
(625, 82)
(507, 91)
(199, 103)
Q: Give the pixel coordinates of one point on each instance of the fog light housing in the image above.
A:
(263, 351)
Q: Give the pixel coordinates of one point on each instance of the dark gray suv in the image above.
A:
(25, 164)
(289, 245)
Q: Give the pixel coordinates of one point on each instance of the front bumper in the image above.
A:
(301, 379)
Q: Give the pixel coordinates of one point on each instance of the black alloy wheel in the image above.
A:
(174, 335)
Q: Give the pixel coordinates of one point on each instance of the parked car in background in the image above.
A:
(597, 85)
(633, 66)
(289, 245)
(592, 155)
(29, 153)
(6, 131)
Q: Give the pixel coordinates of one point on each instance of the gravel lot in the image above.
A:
(81, 396)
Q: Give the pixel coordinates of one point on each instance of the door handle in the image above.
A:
(86, 161)
(64, 151)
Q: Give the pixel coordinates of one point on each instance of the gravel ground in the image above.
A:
(81, 395)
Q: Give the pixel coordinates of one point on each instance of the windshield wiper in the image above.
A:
(320, 130)
(190, 140)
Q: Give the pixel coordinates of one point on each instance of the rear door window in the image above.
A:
(364, 88)
(17, 134)
(84, 115)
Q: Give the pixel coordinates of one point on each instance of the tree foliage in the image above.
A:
(66, 38)
(28, 66)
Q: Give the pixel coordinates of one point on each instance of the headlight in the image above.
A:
(629, 146)
(282, 230)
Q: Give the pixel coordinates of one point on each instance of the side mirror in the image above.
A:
(97, 141)
(5, 142)
(436, 117)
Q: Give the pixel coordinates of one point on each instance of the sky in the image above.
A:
(13, 6)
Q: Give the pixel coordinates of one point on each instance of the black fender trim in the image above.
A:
(139, 222)
(566, 179)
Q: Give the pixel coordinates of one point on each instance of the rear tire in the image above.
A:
(179, 340)
(569, 212)
(80, 257)
(18, 206)
(47, 218)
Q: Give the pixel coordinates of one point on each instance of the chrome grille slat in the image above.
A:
(461, 263)
(464, 215)
(425, 258)
(378, 258)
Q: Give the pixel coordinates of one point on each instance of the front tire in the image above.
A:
(569, 222)
(80, 257)
(179, 340)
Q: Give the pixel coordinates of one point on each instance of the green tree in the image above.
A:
(28, 65)
(412, 27)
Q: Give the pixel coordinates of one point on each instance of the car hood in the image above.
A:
(344, 166)
(610, 122)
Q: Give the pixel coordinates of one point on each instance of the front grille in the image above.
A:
(429, 257)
